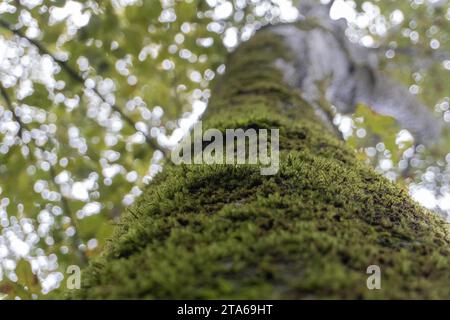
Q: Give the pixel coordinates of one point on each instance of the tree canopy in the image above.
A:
(94, 93)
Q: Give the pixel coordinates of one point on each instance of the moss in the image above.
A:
(310, 231)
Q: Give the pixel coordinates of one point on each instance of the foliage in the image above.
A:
(377, 128)
(84, 162)
(92, 89)
(310, 231)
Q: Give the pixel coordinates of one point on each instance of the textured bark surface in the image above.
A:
(310, 231)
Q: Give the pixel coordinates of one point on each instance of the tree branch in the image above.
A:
(10, 107)
(65, 204)
(77, 77)
(433, 56)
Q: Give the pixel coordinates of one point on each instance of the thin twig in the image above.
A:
(431, 55)
(77, 77)
(10, 107)
(66, 207)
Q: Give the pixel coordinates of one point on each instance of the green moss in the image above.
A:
(310, 231)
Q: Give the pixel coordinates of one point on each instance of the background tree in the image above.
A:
(93, 92)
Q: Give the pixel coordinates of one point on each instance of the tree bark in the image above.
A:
(310, 231)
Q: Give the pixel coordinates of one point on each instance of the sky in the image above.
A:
(14, 247)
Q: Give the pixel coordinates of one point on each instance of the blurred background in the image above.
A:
(92, 93)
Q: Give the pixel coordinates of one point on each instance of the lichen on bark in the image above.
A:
(310, 231)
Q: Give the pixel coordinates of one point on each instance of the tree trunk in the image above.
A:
(309, 231)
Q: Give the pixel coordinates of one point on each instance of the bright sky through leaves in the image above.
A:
(94, 92)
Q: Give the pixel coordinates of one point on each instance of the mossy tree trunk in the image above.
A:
(310, 231)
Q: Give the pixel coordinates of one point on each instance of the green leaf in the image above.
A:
(26, 277)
